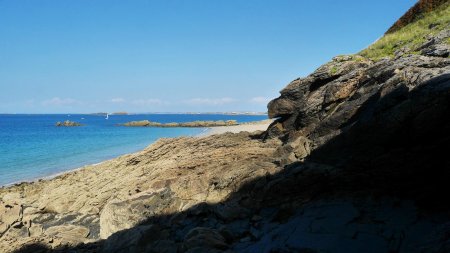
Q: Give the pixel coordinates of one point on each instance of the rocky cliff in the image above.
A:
(382, 122)
(356, 161)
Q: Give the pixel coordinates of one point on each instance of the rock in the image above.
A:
(12, 198)
(17, 231)
(10, 216)
(274, 130)
(296, 149)
(230, 211)
(300, 147)
(138, 123)
(68, 233)
(204, 238)
(121, 215)
(67, 123)
(135, 240)
(280, 107)
(36, 230)
(146, 123)
(441, 50)
(322, 112)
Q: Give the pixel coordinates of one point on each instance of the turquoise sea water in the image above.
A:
(32, 147)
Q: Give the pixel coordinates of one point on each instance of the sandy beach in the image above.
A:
(245, 127)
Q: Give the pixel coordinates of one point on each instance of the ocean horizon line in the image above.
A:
(135, 113)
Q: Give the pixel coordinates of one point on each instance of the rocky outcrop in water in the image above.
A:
(67, 123)
(147, 123)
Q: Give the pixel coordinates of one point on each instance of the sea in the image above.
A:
(32, 147)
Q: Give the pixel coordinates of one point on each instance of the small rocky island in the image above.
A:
(147, 123)
(67, 123)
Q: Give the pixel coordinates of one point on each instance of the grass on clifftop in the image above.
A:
(410, 36)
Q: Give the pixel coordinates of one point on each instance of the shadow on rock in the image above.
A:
(355, 193)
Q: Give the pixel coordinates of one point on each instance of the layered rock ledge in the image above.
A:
(169, 177)
(147, 123)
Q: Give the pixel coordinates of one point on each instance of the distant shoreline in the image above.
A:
(143, 113)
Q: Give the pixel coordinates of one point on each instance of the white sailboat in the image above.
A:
(107, 116)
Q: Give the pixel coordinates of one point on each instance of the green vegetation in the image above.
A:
(333, 70)
(447, 41)
(410, 36)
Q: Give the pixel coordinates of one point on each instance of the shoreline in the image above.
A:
(71, 209)
(55, 175)
(207, 131)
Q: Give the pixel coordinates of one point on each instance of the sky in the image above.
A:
(67, 56)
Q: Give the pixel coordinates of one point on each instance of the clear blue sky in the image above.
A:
(173, 56)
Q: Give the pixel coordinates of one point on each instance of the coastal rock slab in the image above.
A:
(121, 215)
(10, 216)
(68, 233)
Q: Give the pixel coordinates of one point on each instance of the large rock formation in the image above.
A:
(379, 122)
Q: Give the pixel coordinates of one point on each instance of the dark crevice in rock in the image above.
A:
(321, 82)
